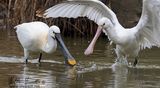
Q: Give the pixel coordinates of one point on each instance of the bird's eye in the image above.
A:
(53, 35)
(54, 32)
(103, 24)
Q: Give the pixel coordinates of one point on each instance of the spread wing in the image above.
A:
(92, 9)
(148, 28)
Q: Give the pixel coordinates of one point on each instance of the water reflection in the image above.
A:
(120, 76)
(71, 72)
(29, 79)
(38, 78)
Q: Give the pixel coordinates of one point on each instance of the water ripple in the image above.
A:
(15, 59)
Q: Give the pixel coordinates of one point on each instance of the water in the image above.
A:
(93, 71)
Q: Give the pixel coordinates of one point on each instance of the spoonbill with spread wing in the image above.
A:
(37, 36)
(129, 41)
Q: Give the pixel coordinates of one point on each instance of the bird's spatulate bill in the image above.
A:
(72, 62)
(68, 57)
(90, 48)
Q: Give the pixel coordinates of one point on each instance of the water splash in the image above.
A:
(92, 67)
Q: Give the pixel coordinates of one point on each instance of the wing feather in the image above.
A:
(93, 9)
(148, 28)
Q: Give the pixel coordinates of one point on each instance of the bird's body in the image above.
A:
(127, 44)
(39, 37)
(129, 41)
(36, 38)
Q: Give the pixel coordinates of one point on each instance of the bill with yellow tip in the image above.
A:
(68, 57)
(72, 62)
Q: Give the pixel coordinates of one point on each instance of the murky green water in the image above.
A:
(93, 71)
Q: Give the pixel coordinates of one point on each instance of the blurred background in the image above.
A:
(13, 12)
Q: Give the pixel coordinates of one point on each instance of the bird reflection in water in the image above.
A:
(28, 79)
(120, 76)
(71, 72)
(41, 79)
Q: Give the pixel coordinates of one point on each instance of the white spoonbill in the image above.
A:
(129, 41)
(38, 37)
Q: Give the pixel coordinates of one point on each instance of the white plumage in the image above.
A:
(35, 36)
(38, 37)
(128, 41)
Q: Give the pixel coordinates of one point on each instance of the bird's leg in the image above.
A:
(135, 62)
(125, 61)
(26, 55)
(40, 57)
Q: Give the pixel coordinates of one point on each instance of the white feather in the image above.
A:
(81, 8)
(148, 28)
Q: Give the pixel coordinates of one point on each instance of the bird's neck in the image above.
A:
(51, 45)
(113, 34)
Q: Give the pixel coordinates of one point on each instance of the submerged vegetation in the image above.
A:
(13, 12)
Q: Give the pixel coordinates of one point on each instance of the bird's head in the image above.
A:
(53, 31)
(105, 23)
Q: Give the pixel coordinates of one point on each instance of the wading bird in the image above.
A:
(129, 41)
(38, 37)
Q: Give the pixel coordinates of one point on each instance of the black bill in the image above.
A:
(68, 57)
